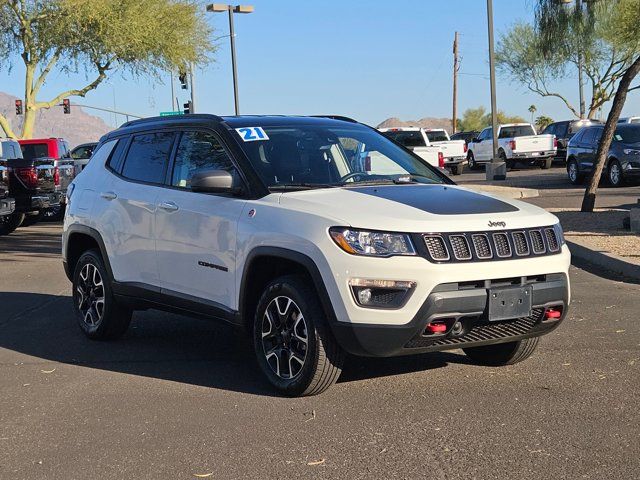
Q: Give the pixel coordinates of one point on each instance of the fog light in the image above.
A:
(364, 296)
(381, 293)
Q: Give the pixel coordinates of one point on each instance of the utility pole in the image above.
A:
(580, 67)
(232, 34)
(454, 120)
(497, 169)
(193, 90)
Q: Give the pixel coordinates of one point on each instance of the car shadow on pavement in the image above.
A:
(165, 346)
(29, 242)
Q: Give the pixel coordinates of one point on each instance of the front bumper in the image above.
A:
(451, 303)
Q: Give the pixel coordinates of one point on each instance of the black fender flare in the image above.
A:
(292, 255)
(90, 232)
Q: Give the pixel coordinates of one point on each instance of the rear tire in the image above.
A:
(293, 344)
(99, 315)
(8, 223)
(503, 353)
(457, 169)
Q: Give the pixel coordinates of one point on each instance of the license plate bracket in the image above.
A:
(507, 303)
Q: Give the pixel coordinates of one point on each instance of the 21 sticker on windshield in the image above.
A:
(252, 134)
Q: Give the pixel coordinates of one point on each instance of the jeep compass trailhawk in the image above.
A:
(318, 235)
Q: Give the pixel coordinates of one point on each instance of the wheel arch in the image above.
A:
(263, 264)
(77, 240)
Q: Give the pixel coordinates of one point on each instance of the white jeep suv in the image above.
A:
(280, 225)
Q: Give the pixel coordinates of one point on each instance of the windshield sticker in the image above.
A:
(252, 134)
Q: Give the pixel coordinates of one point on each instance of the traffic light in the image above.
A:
(66, 106)
(188, 107)
(18, 107)
(182, 76)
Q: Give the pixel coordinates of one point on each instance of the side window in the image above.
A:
(147, 158)
(562, 130)
(484, 134)
(588, 136)
(198, 151)
(550, 130)
(598, 135)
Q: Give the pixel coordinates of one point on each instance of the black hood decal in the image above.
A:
(438, 199)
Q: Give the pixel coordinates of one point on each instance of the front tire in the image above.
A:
(99, 315)
(292, 342)
(614, 171)
(503, 353)
(8, 223)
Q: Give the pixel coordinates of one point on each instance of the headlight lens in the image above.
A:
(559, 233)
(631, 151)
(372, 244)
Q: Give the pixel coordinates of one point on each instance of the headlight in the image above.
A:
(372, 244)
(559, 234)
(631, 151)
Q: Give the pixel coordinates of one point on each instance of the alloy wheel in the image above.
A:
(614, 173)
(284, 337)
(90, 296)
(573, 172)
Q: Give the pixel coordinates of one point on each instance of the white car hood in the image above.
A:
(417, 208)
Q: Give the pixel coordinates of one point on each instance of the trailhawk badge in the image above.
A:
(497, 224)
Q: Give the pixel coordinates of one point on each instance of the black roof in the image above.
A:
(239, 121)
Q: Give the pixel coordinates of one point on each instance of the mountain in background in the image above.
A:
(77, 127)
(427, 122)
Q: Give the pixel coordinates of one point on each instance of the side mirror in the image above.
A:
(213, 181)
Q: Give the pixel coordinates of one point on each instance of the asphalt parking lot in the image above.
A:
(179, 397)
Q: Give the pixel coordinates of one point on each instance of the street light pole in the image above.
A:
(497, 169)
(231, 9)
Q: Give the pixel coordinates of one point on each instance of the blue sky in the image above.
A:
(366, 59)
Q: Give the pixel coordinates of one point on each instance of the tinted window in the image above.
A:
(517, 131)
(147, 157)
(198, 151)
(562, 130)
(437, 136)
(408, 139)
(630, 134)
(82, 152)
(591, 136)
(35, 150)
(550, 130)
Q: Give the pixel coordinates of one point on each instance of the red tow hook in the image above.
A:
(552, 313)
(436, 327)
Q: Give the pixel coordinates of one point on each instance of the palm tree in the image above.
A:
(532, 110)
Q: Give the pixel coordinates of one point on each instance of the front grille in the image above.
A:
(503, 249)
(552, 240)
(437, 248)
(482, 246)
(500, 245)
(483, 332)
(460, 247)
(537, 243)
(520, 243)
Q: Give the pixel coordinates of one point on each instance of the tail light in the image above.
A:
(56, 176)
(512, 144)
(440, 160)
(367, 164)
(28, 176)
(465, 147)
(555, 142)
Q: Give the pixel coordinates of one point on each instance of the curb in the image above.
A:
(504, 191)
(608, 261)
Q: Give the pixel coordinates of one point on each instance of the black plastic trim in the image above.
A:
(84, 230)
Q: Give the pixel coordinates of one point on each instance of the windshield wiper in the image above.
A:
(302, 186)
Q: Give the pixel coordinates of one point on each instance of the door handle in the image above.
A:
(109, 195)
(168, 206)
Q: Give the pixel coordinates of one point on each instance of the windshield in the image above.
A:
(516, 131)
(437, 136)
(324, 156)
(630, 134)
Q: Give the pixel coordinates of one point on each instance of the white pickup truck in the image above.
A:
(516, 141)
(424, 141)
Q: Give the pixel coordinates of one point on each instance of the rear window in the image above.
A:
(437, 136)
(517, 131)
(629, 134)
(408, 139)
(147, 158)
(35, 150)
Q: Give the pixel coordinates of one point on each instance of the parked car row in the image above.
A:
(34, 176)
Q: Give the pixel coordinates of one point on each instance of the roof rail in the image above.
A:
(172, 117)
(337, 117)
